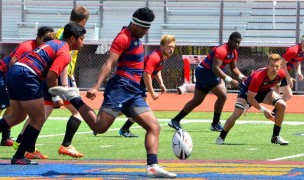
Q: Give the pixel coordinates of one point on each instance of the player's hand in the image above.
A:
(268, 114)
(234, 83)
(58, 104)
(154, 96)
(300, 77)
(163, 88)
(291, 82)
(91, 93)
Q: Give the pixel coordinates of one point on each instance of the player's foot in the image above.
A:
(35, 155)
(22, 161)
(16, 145)
(279, 140)
(65, 92)
(69, 151)
(95, 133)
(216, 127)
(174, 124)
(156, 171)
(219, 140)
(7, 142)
(127, 133)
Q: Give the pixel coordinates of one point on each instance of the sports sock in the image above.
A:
(6, 134)
(127, 124)
(71, 128)
(152, 159)
(180, 116)
(216, 118)
(19, 138)
(30, 136)
(276, 130)
(223, 134)
(77, 102)
(3, 125)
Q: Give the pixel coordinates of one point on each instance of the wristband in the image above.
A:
(241, 76)
(262, 109)
(228, 79)
(55, 98)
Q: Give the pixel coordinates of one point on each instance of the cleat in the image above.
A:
(35, 155)
(95, 133)
(7, 142)
(127, 133)
(16, 145)
(22, 161)
(219, 140)
(174, 124)
(65, 92)
(156, 171)
(216, 127)
(69, 151)
(279, 140)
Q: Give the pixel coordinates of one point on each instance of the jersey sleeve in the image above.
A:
(151, 63)
(255, 83)
(119, 44)
(62, 59)
(289, 54)
(24, 47)
(219, 53)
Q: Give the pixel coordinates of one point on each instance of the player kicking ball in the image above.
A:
(257, 89)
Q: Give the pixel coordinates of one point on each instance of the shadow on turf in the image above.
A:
(88, 175)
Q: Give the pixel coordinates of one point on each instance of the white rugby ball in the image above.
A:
(182, 144)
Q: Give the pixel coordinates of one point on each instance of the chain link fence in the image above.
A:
(266, 26)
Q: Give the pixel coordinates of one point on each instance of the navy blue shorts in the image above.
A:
(206, 79)
(243, 90)
(122, 95)
(4, 100)
(23, 84)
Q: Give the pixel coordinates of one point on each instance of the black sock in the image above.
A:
(152, 159)
(77, 102)
(276, 130)
(6, 134)
(19, 138)
(30, 136)
(127, 125)
(180, 116)
(216, 118)
(223, 134)
(71, 128)
(3, 125)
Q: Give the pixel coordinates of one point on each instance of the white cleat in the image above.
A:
(65, 92)
(155, 171)
(279, 140)
(219, 140)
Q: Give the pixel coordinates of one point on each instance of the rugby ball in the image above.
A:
(182, 144)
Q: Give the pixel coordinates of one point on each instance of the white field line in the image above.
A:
(185, 121)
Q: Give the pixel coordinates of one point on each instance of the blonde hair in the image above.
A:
(274, 57)
(167, 38)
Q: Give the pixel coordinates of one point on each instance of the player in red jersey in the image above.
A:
(154, 63)
(45, 62)
(258, 89)
(123, 93)
(44, 34)
(209, 74)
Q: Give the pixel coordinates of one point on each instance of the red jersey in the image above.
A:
(222, 53)
(53, 55)
(292, 55)
(154, 63)
(20, 51)
(131, 55)
(259, 81)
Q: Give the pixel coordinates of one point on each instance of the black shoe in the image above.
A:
(127, 133)
(174, 124)
(94, 133)
(216, 127)
(22, 161)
